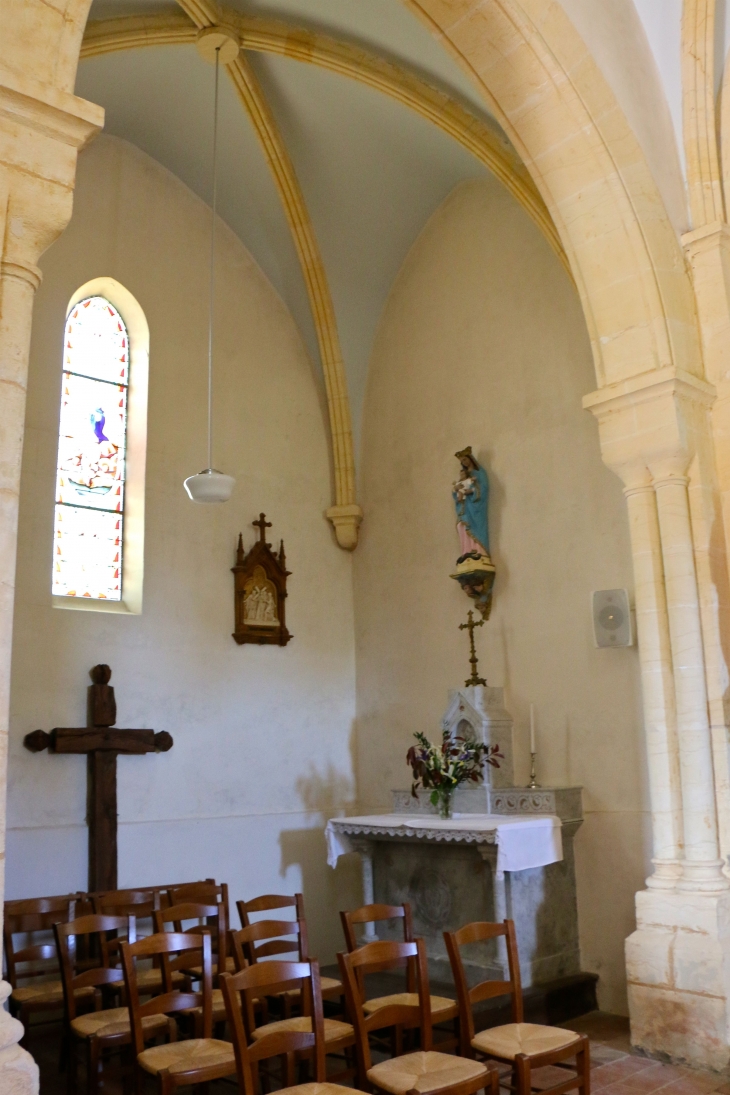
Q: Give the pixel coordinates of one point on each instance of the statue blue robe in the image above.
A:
(472, 510)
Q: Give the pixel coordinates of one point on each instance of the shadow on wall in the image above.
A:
(325, 890)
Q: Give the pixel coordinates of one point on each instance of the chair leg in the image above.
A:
(167, 1083)
(524, 1074)
(72, 1066)
(583, 1066)
(63, 1052)
(92, 1066)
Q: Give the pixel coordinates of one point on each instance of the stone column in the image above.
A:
(41, 130)
(615, 410)
(653, 429)
(701, 865)
(657, 685)
(708, 252)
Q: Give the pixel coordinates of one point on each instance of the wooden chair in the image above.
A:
(207, 920)
(205, 892)
(425, 1071)
(142, 904)
(102, 1028)
(175, 1064)
(523, 1046)
(275, 944)
(38, 988)
(252, 1044)
(443, 1009)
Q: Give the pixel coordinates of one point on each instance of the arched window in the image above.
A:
(96, 496)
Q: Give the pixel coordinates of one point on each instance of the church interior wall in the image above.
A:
(483, 342)
(262, 735)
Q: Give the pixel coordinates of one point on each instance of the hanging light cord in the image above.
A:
(212, 263)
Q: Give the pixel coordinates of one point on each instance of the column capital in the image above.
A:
(656, 384)
(41, 131)
(706, 238)
(47, 111)
(648, 424)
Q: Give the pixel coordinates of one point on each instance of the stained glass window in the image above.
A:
(89, 524)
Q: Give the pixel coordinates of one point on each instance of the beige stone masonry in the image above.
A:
(678, 970)
(698, 112)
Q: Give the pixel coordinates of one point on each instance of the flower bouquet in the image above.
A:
(444, 768)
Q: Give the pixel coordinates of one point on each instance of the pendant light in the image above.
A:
(214, 44)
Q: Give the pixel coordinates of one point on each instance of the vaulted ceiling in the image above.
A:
(371, 170)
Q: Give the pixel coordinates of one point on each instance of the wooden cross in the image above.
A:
(475, 678)
(101, 741)
(262, 524)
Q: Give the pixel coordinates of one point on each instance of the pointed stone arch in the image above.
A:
(549, 95)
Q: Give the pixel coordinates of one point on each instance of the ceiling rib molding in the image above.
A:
(274, 36)
(345, 514)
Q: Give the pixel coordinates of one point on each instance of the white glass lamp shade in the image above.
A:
(210, 486)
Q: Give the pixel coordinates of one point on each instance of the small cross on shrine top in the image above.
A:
(475, 678)
(262, 524)
(101, 741)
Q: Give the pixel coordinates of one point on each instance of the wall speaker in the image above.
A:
(611, 617)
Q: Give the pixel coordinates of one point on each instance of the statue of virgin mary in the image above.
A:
(471, 498)
(475, 570)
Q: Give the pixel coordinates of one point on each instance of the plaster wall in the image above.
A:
(482, 342)
(262, 749)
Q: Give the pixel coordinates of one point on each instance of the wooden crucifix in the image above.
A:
(102, 742)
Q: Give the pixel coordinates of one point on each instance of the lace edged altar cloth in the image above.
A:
(522, 842)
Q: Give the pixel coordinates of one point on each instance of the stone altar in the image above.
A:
(450, 882)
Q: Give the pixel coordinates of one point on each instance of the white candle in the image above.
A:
(533, 748)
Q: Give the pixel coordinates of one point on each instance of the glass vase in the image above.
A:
(445, 805)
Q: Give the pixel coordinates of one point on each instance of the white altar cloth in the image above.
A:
(522, 842)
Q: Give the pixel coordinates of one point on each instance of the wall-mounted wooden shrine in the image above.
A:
(260, 591)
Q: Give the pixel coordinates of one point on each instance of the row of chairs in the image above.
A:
(31, 964)
(236, 987)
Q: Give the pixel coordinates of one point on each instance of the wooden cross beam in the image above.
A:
(102, 742)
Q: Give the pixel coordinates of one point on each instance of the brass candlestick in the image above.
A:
(475, 678)
(533, 775)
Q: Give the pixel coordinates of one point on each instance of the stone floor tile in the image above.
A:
(602, 1054)
(605, 1075)
(548, 1076)
(703, 1080)
(654, 1078)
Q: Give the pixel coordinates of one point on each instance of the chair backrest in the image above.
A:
(205, 892)
(481, 932)
(29, 918)
(139, 903)
(269, 903)
(162, 946)
(266, 979)
(372, 958)
(207, 920)
(369, 914)
(265, 938)
(75, 971)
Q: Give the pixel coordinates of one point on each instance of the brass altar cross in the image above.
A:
(474, 679)
(101, 741)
